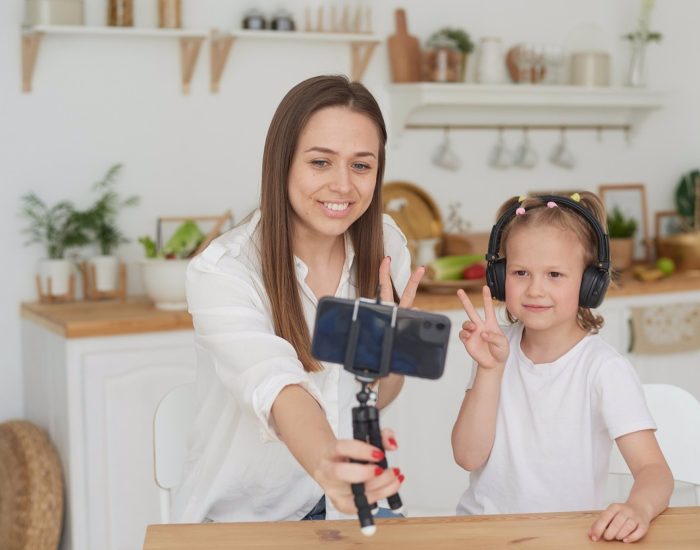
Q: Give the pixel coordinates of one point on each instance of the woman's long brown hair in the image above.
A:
(276, 228)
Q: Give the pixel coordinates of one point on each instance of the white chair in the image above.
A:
(171, 423)
(677, 416)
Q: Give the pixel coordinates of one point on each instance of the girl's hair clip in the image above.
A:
(521, 198)
(576, 197)
(519, 211)
(551, 204)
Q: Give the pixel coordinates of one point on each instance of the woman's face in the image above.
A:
(333, 172)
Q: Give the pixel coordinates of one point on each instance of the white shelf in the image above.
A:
(303, 35)
(190, 43)
(438, 104)
(118, 31)
(361, 47)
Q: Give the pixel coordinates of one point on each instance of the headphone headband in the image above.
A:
(601, 235)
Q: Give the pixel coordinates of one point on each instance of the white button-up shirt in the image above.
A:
(237, 468)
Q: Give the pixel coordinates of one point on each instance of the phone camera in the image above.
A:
(427, 324)
(440, 326)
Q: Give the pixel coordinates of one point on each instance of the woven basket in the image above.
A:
(31, 488)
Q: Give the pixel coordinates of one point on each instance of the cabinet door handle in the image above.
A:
(630, 342)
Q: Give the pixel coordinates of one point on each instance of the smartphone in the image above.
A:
(418, 341)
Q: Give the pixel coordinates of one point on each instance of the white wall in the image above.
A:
(101, 100)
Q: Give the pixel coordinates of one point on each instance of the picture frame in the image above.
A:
(631, 199)
(667, 223)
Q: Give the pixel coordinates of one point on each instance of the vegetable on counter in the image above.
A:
(452, 268)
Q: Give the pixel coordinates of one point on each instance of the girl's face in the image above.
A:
(544, 266)
(333, 172)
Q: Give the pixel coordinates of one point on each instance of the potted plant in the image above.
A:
(101, 222)
(621, 230)
(57, 229)
(164, 268)
(684, 248)
(461, 41)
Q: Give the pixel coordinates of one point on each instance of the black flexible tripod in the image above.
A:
(365, 417)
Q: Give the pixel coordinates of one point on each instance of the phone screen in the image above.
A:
(419, 346)
(333, 327)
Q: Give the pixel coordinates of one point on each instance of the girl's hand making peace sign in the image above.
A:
(483, 338)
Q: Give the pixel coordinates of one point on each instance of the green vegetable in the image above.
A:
(450, 268)
(184, 241)
(149, 247)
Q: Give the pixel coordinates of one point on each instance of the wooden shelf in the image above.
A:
(190, 43)
(479, 106)
(362, 47)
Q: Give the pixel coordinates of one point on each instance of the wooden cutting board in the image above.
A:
(404, 52)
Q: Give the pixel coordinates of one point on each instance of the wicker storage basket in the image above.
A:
(31, 488)
(683, 249)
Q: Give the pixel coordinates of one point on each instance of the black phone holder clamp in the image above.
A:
(365, 417)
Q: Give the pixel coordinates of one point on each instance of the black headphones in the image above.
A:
(596, 278)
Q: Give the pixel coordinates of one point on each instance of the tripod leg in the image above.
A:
(375, 438)
(364, 510)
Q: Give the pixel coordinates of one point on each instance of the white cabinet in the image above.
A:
(678, 369)
(96, 398)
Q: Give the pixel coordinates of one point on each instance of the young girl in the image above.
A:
(549, 395)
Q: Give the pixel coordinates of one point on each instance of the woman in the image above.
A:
(273, 434)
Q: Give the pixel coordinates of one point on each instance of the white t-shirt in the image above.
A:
(555, 427)
(237, 468)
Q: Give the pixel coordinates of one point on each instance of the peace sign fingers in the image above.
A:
(469, 308)
(489, 310)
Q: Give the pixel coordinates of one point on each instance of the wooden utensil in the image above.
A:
(404, 52)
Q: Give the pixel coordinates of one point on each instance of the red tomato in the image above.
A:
(476, 271)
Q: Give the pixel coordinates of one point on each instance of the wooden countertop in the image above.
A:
(138, 315)
(105, 318)
(625, 286)
(675, 529)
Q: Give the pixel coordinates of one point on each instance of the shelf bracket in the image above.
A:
(189, 51)
(361, 53)
(220, 47)
(30, 49)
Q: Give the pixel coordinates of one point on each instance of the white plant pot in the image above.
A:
(105, 273)
(59, 271)
(165, 282)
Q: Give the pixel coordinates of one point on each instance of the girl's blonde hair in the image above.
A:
(565, 218)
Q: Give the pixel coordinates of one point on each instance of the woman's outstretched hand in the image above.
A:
(336, 472)
(483, 338)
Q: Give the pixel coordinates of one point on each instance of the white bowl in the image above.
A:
(165, 282)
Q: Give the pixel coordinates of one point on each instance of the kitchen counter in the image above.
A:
(625, 286)
(137, 314)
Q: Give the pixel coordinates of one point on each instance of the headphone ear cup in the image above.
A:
(496, 279)
(594, 285)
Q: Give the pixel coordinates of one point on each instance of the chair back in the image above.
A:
(677, 416)
(171, 424)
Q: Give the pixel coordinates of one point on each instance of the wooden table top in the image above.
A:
(677, 528)
(138, 315)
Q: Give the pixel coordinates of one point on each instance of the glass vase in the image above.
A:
(636, 76)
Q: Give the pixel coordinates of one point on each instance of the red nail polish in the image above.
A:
(378, 471)
(377, 454)
(396, 471)
(401, 478)
(392, 442)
